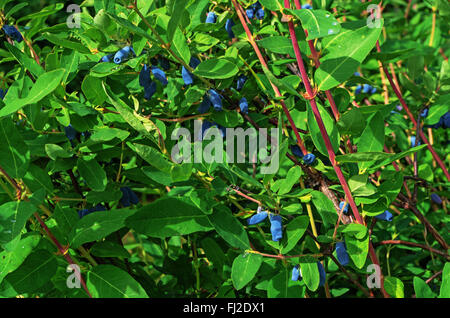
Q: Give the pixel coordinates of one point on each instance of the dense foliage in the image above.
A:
(358, 95)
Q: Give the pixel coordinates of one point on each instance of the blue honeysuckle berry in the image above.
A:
(373, 90)
(385, 216)
(207, 125)
(159, 75)
(366, 88)
(276, 227)
(296, 273)
(144, 76)
(306, 6)
(215, 99)
(164, 63)
(357, 74)
(70, 132)
(309, 158)
(228, 27)
(128, 197)
(188, 77)
(211, 17)
(3, 93)
(341, 204)
(86, 134)
(240, 82)
(260, 14)
(322, 274)
(12, 32)
(399, 107)
(424, 113)
(358, 89)
(107, 58)
(123, 54)
(243, 105)
(204, 105)
(296, 151)
(99, 207)
(149, 90)
(342, 255)
(250, 13)
(257, 218)
(414, 141)
(446, 120)
(436, 198)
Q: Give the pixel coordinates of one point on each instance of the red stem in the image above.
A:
(411, 117)
(264, 64)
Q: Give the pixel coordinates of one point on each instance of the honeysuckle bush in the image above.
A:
(90, 102)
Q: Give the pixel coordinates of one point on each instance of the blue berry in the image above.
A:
(250, 13)
(243, 105)
(3, 93)
(373, 91)
(70, 132)
(257, 218)
(306, 6)
(128, 197)
(366, 88)
(240, 82)
(12, 32)
(123, 54)
(165, 64)
(436, 199)
(296, 273)
(276, 227)
(341, 204)
(358, 89)
(159, 75)
(215, 99)
(188, 77)
(260, 14)
(228, 27)
(322, 274)
(309, 158)
(296, 151)
(357, 74)
(97, 208)
(149, 90)
(342, 255)
(144, 76)
(211, 17)
(414, 143)
(385, 216)
(107, 58)
(204, 106)
(424, 113)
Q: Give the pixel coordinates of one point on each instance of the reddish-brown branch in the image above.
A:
(428, 248)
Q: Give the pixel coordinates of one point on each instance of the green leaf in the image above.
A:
(229, 228)
(93, 174)
(132, 28)
(421, 289)
(180, 46)
(445, 285)
(59, 41)
(152, 156)
(36, 271)
(318, 23)
(27, 62)
(397, 157)
(294, 232)
(98, 225)
(343, 54)
(13, 217)
(394, 286)
(310, 274)
(357, 248)
(108, 281)
(325, 208)
(244, 268)
(45, 84)
(216, 68)
(363, 157)
(292, 178)
(372, 138)
(281, 286)
(15, 155)
(12, 259)
(330, 127)
(277, 44)
(169, 217)
(175, 18)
